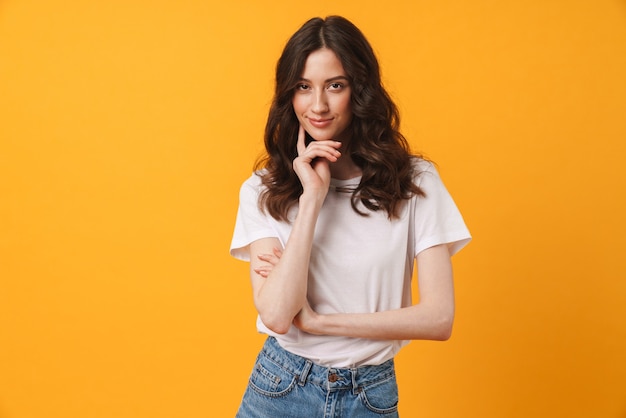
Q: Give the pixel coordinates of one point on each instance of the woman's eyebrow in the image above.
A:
(339, 77)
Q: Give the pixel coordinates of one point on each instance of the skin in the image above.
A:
(279, 276)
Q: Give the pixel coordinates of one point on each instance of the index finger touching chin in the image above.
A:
(301, 146)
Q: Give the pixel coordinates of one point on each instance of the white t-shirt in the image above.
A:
(359, 264)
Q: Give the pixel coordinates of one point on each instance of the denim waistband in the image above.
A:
(331, 378)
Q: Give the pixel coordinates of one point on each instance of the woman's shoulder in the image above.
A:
(254, 183)
(255, 178)
(422, 166)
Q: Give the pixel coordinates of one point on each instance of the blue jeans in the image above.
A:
(285, 385)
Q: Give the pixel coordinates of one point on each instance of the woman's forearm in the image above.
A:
(282, 293)
(417, 322)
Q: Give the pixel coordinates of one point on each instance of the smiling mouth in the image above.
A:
(320, 123)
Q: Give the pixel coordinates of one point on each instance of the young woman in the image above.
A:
(332, 222)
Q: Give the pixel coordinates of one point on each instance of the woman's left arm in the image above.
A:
(430, 319)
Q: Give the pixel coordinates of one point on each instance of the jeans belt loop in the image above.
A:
(305, 372)
(355, 386)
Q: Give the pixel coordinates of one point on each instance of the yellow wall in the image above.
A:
(126, 127)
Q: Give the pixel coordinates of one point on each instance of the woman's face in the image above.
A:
(321, 101)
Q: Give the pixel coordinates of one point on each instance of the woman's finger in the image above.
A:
(263, 272)
(321, 149)
(269, 258)
(301, 145)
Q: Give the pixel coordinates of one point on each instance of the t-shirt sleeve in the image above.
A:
(251, 224)
(437, 218)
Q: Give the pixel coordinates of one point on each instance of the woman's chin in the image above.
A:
(320, 136)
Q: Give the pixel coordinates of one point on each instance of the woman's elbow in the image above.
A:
(277, 324)
(443, 333)
(441, 329)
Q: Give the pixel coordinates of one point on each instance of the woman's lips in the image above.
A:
(320, 123)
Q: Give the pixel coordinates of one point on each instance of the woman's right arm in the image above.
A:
(279, 297)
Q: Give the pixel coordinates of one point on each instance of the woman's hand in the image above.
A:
(271, 260)
(312, 163)
(307, 320)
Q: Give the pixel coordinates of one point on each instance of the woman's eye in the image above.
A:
(302, 87)
(336, 86)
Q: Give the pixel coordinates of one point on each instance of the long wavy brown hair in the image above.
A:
(376, 144)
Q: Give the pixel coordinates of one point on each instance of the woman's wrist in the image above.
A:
(313, 199)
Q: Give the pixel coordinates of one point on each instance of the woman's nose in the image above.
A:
(320, 104)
